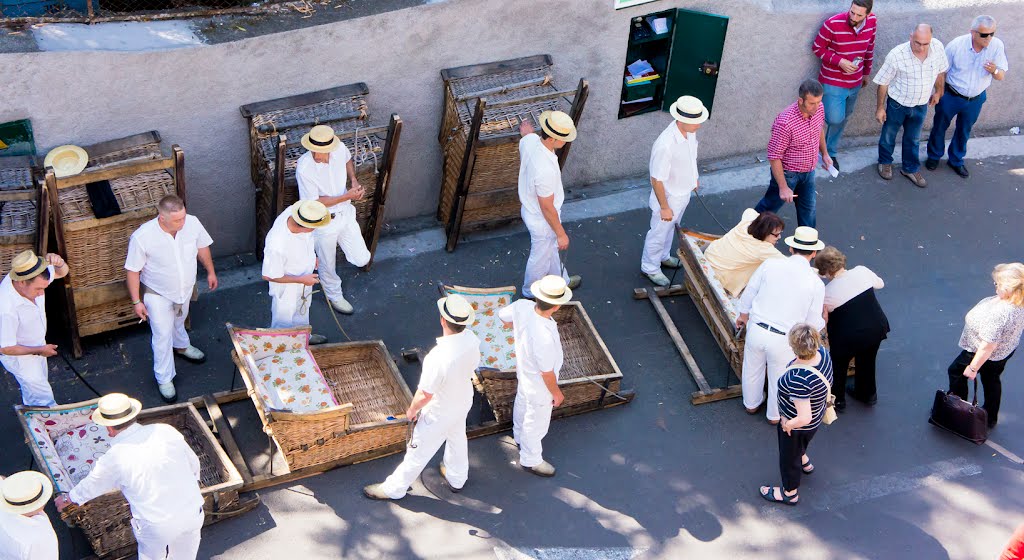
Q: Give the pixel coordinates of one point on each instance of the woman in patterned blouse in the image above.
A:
(992, 331)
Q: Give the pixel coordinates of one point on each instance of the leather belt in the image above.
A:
(950, 89)
(769, 328)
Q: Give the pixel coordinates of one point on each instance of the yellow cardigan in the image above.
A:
(736, 255)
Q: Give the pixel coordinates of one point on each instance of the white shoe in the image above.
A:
(192, 354)
(671, 262)
(317, 339)
(658, 278)
(167, 391)
(341, 305)
(544, 469)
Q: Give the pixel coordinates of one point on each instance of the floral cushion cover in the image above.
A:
(69, 442)
(698, 244)
(497, 345)
(284, 372)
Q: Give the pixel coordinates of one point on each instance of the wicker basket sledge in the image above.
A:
(483, 107)
(365, 395)
(24, 212)
(106, 520)
(95, 249)
(589, 373)
(277, 126)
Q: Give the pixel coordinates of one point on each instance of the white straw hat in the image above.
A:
(558, 125)
(66, 160)
(551, 289)
(310, 214)
(25, 492)
(26, 265)
(115, 409)
(456, 309)
(321, 138)
(688, 109)
(805, 238)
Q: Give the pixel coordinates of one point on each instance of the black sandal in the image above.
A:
(786, 499)
(807, 467)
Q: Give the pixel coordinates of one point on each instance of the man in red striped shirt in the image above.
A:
(798, 136)
(846, 46)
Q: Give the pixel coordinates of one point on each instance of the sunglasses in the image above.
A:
(985, 35)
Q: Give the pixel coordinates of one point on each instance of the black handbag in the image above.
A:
(965, 419)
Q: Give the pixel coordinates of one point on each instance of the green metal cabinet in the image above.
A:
(16, 139)
(698, 39)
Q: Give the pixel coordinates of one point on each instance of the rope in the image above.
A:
(710, 213)
(79, 375)
(333, 314)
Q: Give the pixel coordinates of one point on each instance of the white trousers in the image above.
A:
(179, 541)
(32, 375)
(764, 349)
(544, 258)
(531, 416)
(343, 231)
(433, 430)
(168, 333)
(658, 243)
(290, 307)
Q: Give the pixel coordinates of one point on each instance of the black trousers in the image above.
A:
(990, 381)
(864, 382)
(791, 451)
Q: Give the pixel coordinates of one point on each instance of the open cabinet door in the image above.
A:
(698, 40)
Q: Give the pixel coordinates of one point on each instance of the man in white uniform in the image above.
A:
(538, 363)
(23, 324)
(541, 196)
(780, 294)
(673, 177)
(321, 173)
(289, 262)
(157, 472)
(162, 256)
(25, 529)
(441, 403)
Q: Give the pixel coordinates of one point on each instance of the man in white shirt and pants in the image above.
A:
(162, 256)
(289, 262)
(780, 294)
(673, 169)
(23, 347)
(157, 472)
(321, 174)
(440, 406)
(25, 529)
(538, 364)
(541, 196)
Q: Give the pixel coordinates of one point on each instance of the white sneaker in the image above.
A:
(192, 354)
(658, 278)
(341, 305)
(671, 262)
(167, 391)
(544, 469)
(317, 339)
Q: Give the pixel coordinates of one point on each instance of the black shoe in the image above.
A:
(931, 164)
(960, 170)
(835, 163)
(840, 406)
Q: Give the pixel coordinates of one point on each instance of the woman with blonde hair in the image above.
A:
(991, 334)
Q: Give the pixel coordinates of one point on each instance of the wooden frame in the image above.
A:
(37, 241)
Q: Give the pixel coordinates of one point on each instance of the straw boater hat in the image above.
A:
(310, 214)
(321, 138)
(805, 238)
(551, 289)
(558, 125)
(688, 109)
(116, 409)
(26, 266)
(66, 160)
(456, 309)
(25, 492)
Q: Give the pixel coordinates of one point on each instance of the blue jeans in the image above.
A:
(911, 119)
(839, 103)
(804, 189)
(966, 113)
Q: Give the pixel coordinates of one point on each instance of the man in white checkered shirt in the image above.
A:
(911, 78)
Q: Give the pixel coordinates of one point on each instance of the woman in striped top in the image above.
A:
(802, 398)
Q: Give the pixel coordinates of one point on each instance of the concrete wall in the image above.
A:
(192, 95)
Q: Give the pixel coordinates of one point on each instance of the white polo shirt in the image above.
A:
(167, 263)
(911, 80)
(538, 346)
(27, 538)
(674, 161)
(22, 321)
(323, 179)
(154, 468)
(448, 372)
(782, 293)
(967, 74)
(539, 176)
(286, 253)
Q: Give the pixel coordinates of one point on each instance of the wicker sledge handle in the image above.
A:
(543, 81)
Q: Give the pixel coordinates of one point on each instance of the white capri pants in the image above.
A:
(343, 231)
(433, 430)
(658, 243)
(762, 349)
(178, 541)
(544, 258)
(33, 378)
(531, 417)
(289, 306)
(168, 333)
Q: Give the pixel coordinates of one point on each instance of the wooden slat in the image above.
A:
(677, 340)
(17, 240)
(309, 122)
(227, 439)
(9, 196)
(103, 148)
(496, 67)
(115, 171)
(89, 223)
(17, 162)
(50, 182)
(372, 233)
(303, 99)
(531, 99)
(579, 101)
(730, 392)
(462, 187)
(104, 293)
(662, 291)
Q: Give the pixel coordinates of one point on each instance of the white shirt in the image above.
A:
(154, 468)
(909, 79)
(323, 179)
(539, 176)
(27, 538)
(167, 263)
(286, 253)
(448, 372)
(851, 284)
(538, 346)
(674, 161)
(22, 321)
(967, 74)
(784, 292)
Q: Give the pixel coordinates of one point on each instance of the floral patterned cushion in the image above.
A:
(497, 346)
(698, 244)
(69, 461)
(79, 449)
(285, 374)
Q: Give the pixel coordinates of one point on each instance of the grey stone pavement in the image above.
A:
(658, 478)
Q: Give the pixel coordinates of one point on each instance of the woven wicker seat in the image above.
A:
(106, 519)
(24, 211)
(483, 107)
(277, 126)
(365, 390)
